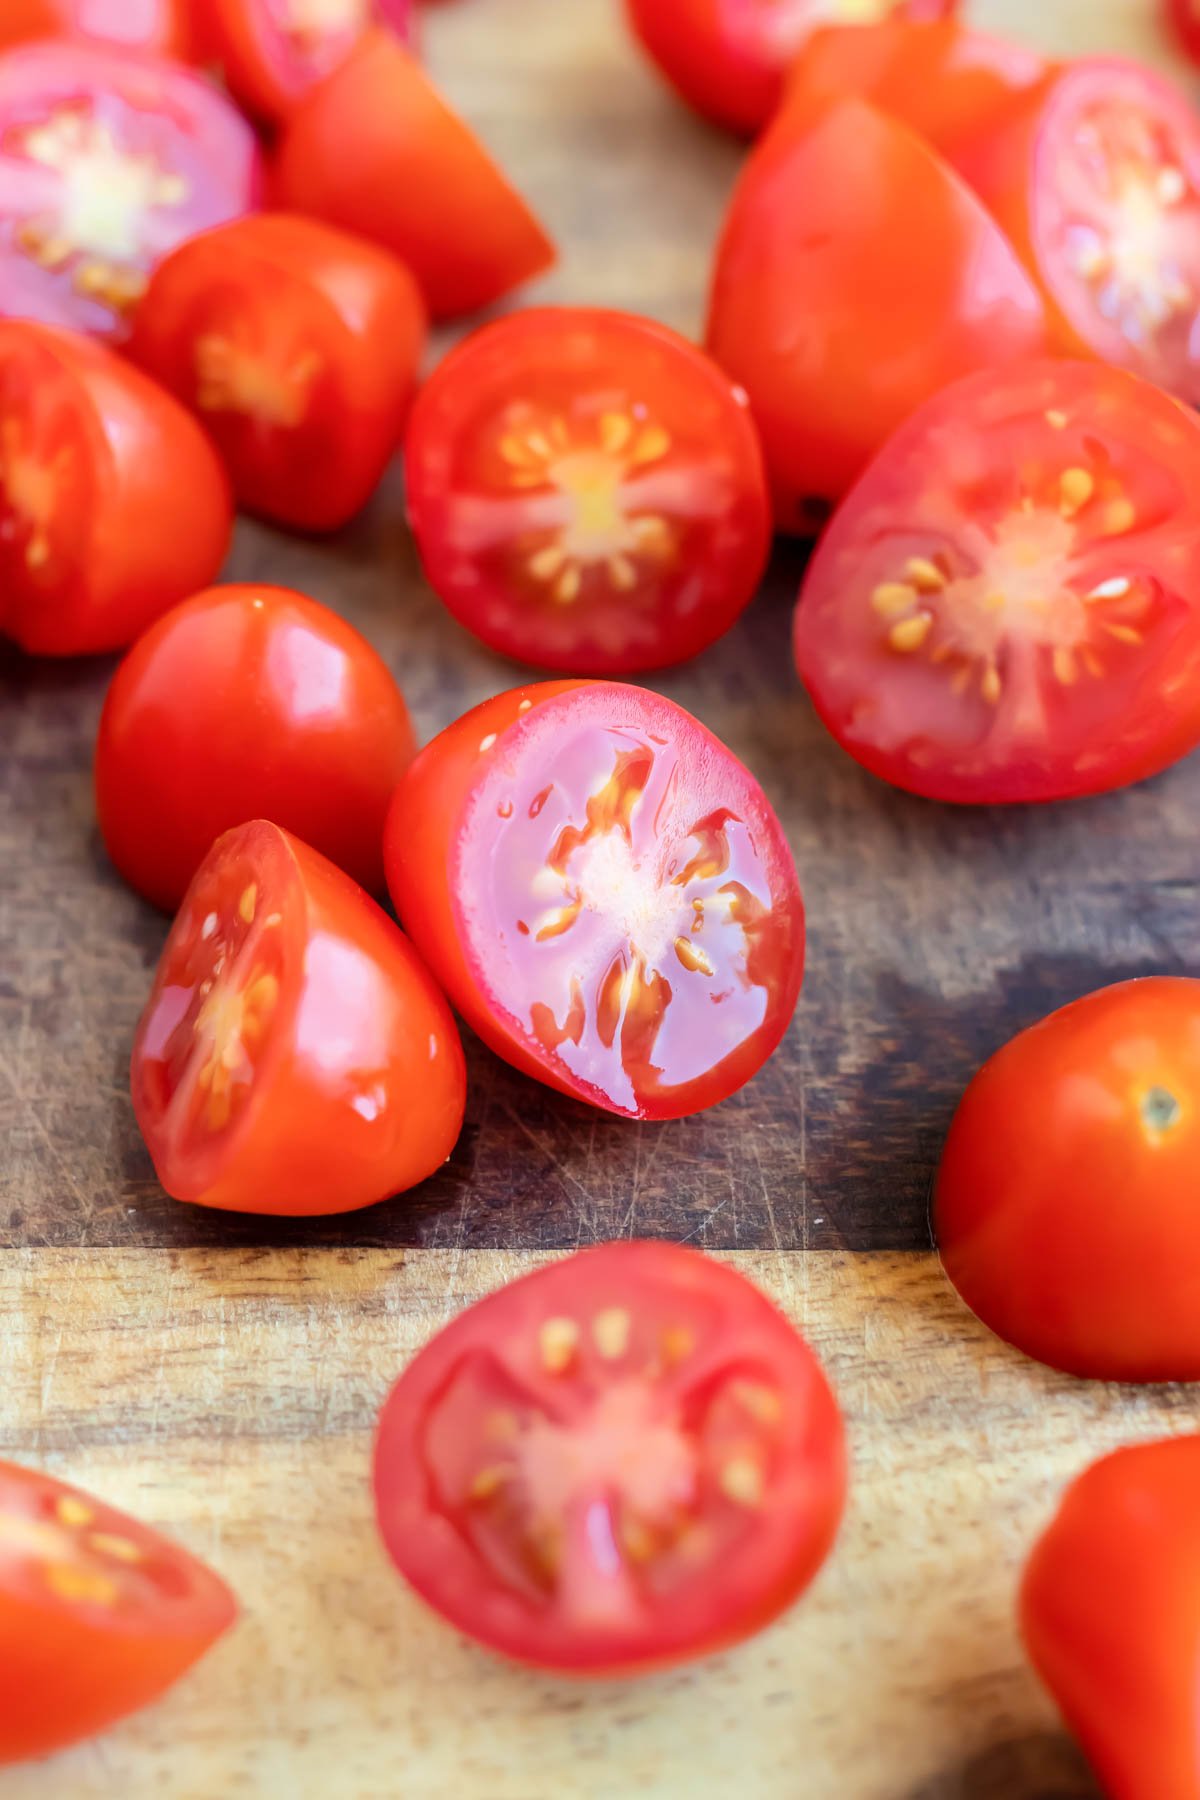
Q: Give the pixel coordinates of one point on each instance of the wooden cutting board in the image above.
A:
(221, 1376)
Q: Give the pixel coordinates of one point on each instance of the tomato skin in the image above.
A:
(1064, 1214)
(427, 843)
(161, 514)
(376, 150)
(1184, 15)
(248, 702)
(1110, 1615)
(758, 1579)
(268, 76)
(71, 1669)
(873, 348)
(363, 1086)
(576, 369)
(716, 60)
(944, 82)
(283, 293)
(161, 26)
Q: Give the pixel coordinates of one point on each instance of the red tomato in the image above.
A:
(98, 1615)
(1185, 16)
(587, 491)
(248, 702)
(1110, 1613)
(159, 25)
(729, 58)
(810, 313)
(1065, 1202)
(376, 149)
(294, 1056)
(113, 504)
(107, 160)
(625, 1460)
(1007, 607)
(605, 894)
(273, 52)
(945, 82)
(1096, 179)
(299, 347)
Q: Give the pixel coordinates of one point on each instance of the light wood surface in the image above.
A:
(221, 1378)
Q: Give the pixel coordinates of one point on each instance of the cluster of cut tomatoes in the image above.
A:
(957, 298)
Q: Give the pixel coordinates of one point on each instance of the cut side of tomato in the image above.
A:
(272, 52)
(729, 58)
(294, 1056)
(605, 894)
(587, 491)
(375, 149)
(161, 26)
(99, 1615)
(113, 503)
(1096, 179)
(623, 1461)
(808, 315)
(298, 346)
(1007, 607)
(107, 160)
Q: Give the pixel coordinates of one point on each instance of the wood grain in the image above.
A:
(221, 1376)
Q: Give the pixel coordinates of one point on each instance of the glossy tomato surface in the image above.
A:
(294, 1056)
(855, 277)
(163, 26)
(1185, 16)
(605, 894)
(242, 703)
(946, 82)
(625, 1460)
(376, 149)
(1110, 1613)
(108, 159)
(1065, 1201)
(728, 58)
(1096, 180)
(298, 347)
(273, 52)
(1007, 607)
(113, 503)
(99, 1615)
(587, 491)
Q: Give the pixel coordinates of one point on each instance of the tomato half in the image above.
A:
(244, 703)
(1065, 1201)
(294, 1056)
(113, 503)
(605, 894)
(163, 26)
(272, 52)
(107, 160)
(1110, 1614)
(1185, 17)
(625, 1460)
(809, 311)
(949, 84)
(376, 149)
(1096, 180)
(728, 58)
(99, 1615)
(587, 491)
(1007, 607)
(298, 346)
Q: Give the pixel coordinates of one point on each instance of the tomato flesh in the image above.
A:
(622, 1461)
(107, 159)
(587, 491)
(159, 25)
(48, 453)
(294, 1057)
(98, 1614)
(273, 51)
(604, 892)
(729, 58)
(1097, 181)
(1110, 1615)
(1185, 16)
(1008, 605)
